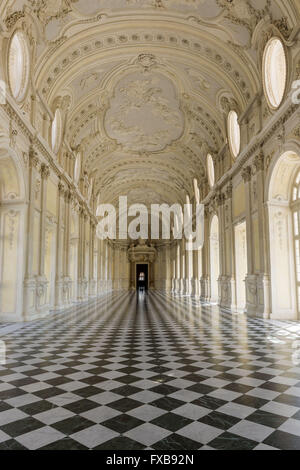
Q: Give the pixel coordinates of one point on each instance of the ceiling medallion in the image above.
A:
(147, 61)
(144, 114)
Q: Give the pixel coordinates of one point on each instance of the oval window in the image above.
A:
(56, 132)
(274, 72)
(210, 170)
(18, 65)
(234, 133)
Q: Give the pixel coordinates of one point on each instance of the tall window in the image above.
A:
(234, 133)
(196, 191)
(210, 170)
(18, 65)
(296, 226)
(77, 169)
(56, 131)
(274, 72)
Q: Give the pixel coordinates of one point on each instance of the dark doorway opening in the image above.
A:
(142, 276)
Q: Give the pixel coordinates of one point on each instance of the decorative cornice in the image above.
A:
(260, 141)
(38, 149)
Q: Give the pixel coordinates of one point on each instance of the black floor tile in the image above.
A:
(267, 419)
(176, 442)
(219, 420)
(171, 421)
(21, 426)
(284, 441)
(72, 425)
(122, 423)
(228, 441)
(120, 443)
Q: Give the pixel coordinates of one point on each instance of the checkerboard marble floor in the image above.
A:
(149, 371)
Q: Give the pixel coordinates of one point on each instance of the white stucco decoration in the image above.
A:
(144, 112)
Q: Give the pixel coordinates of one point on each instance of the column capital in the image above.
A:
(247, 174)
(229, 189)
(68, 195)
(259, 161)
(220, 198)
(45, 171)
(61, 189)
(33, 158)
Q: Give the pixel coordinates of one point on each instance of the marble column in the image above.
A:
(109, 267)
(42, 281)
(177, 267)
(187, 269)
(116, 279)
(195, 287)
(30, 290)
(223, 293)
(182, 267)
(263, 277)
(251, 286)
(169, 265)
(92, 255)
(67, 289)
(205, 284)
(59, 282)
(82, 281)
(173, 266)
(229, 284)
(100, 266)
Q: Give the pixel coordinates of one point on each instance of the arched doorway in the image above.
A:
(284, 225)
(214, 259)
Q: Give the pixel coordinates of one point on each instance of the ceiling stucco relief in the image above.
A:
(47, 10)
(144, 113)
(149, 81)
(199, 81)
(221, 67)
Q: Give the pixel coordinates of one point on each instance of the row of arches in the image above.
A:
(282, 211)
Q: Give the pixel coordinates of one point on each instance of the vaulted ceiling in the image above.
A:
(148, 82)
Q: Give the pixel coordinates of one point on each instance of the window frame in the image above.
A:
(210, 160)
(19, 96)
(234, 151)
(55, 145)
(274, 105)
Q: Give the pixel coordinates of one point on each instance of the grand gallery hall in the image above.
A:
(133, 341)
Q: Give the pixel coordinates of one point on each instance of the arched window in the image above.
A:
(56, 131)
(284, 236)
(234, 133)
(274, 72)
(18, 65)
(210, 170)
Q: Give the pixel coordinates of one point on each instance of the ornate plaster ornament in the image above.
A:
(47, 10)
(144, 113)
